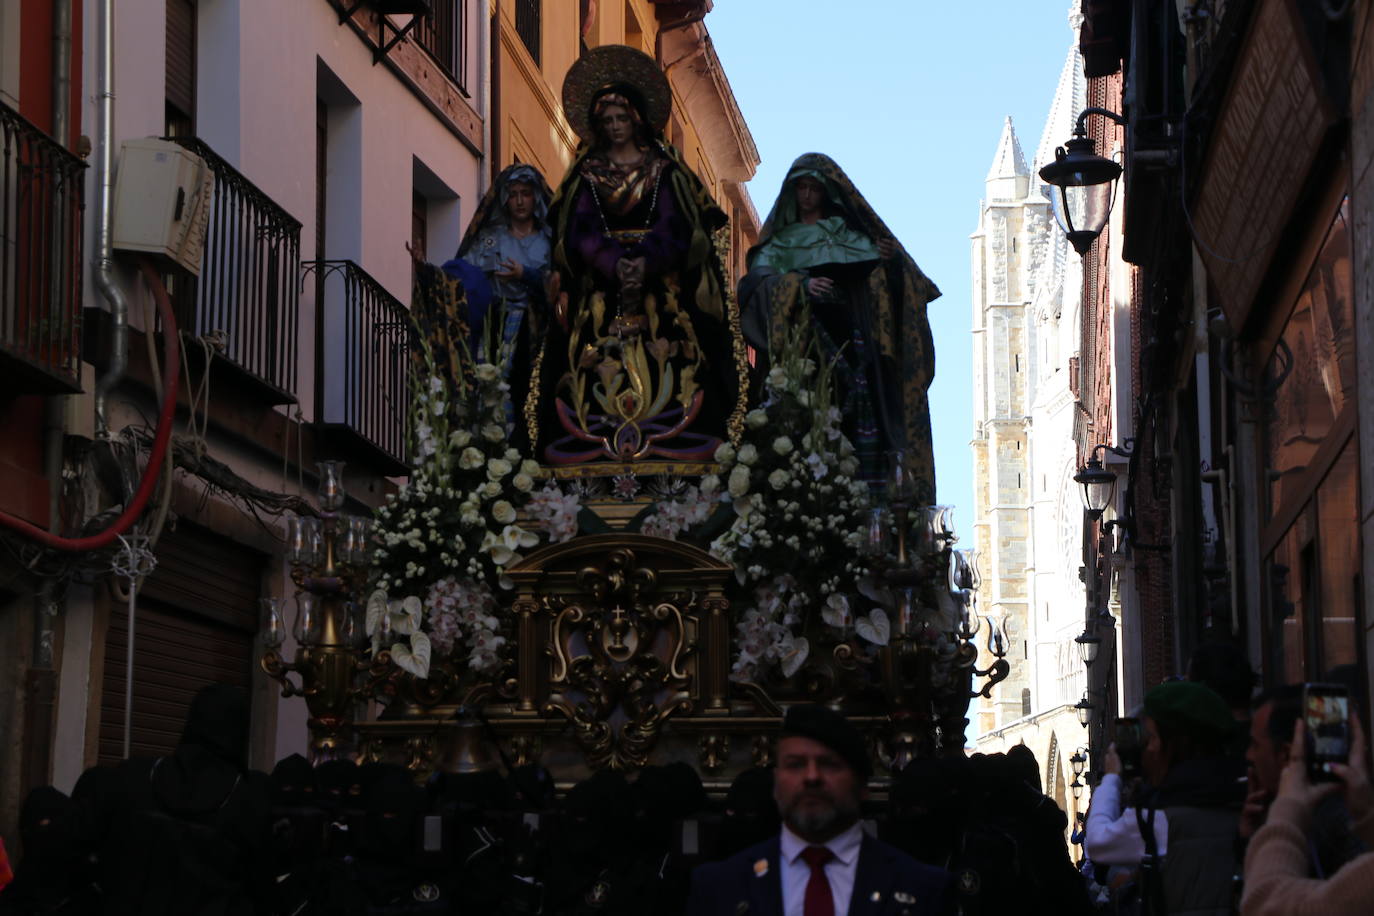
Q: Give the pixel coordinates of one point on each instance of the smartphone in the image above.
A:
(1130, 744)
(1326, 722)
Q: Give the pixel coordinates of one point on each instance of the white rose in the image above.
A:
(726, 453)
(493, 433)
(498, 468)
(782, 445)
(491, 489)
(748, 454)
(779, 479)
(529, 467)
(756, 419)
(486, 372)
(470, 458)
(522, 482)
(503, 512)
(776, 377)
(739, 482)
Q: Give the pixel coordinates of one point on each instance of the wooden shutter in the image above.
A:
(181, 59)
(195, 623)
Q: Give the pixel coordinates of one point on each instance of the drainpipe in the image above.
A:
(484, 64)
(105, 280)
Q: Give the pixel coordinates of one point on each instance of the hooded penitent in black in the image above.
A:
(52, 877)
(194, 827)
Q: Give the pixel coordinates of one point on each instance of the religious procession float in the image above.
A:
(649, 508)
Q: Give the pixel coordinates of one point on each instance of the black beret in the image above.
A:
(823, 724)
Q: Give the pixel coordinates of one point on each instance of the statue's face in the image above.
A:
(616, 124)
(520, 201)
(810, 195)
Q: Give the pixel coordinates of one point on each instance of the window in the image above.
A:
(443, 34)
(527, 15)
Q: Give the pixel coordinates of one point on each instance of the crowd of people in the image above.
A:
(1185, 832)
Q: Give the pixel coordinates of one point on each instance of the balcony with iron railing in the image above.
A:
(248, 289)
(41, 202)
(362, 335)
(443, 33)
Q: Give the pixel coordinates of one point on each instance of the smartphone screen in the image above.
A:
(1326, 720)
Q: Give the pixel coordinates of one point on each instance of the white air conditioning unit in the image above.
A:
(162, 202)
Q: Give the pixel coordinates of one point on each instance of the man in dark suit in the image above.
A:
(822, 863)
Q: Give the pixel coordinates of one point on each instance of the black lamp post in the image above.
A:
(1084, 182)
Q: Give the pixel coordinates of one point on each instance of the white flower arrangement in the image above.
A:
(800, 514)
(452, 527)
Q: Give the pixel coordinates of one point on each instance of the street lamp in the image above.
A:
(1084, 708)
(1079, 762)
(1098, 484)
(1088, 645)
(1084, 182)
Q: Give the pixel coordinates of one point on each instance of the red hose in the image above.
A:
(171, 375)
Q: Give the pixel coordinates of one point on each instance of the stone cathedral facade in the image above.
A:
(1027, 512)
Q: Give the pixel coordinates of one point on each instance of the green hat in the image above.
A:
(1192, 708)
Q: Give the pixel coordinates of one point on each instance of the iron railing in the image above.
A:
(248, 287)
(41, 201)
(527, 15)
(362, 356)
(443, 34)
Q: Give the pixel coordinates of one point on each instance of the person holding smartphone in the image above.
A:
(1276, 863)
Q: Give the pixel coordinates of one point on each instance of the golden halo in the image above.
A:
(609, 66)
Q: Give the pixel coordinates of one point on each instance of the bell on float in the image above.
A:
(466, 748)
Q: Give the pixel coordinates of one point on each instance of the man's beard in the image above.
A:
(816, 820)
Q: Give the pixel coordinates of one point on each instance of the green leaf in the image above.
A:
(588, 522)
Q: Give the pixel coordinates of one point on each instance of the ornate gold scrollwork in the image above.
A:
(525, 749)
(617, 651)
(761, 751)
(715, 751)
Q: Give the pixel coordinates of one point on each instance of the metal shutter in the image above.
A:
(195, 624)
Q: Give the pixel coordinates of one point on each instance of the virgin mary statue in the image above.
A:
(825, 257)
(644, 360)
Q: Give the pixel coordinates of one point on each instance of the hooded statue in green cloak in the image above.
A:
(825, 254)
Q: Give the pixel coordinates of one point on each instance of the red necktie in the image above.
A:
(819, 901)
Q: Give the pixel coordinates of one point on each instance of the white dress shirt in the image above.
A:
(839, 871)
(1112, 835)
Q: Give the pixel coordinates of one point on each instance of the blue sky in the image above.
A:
(908, 96)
